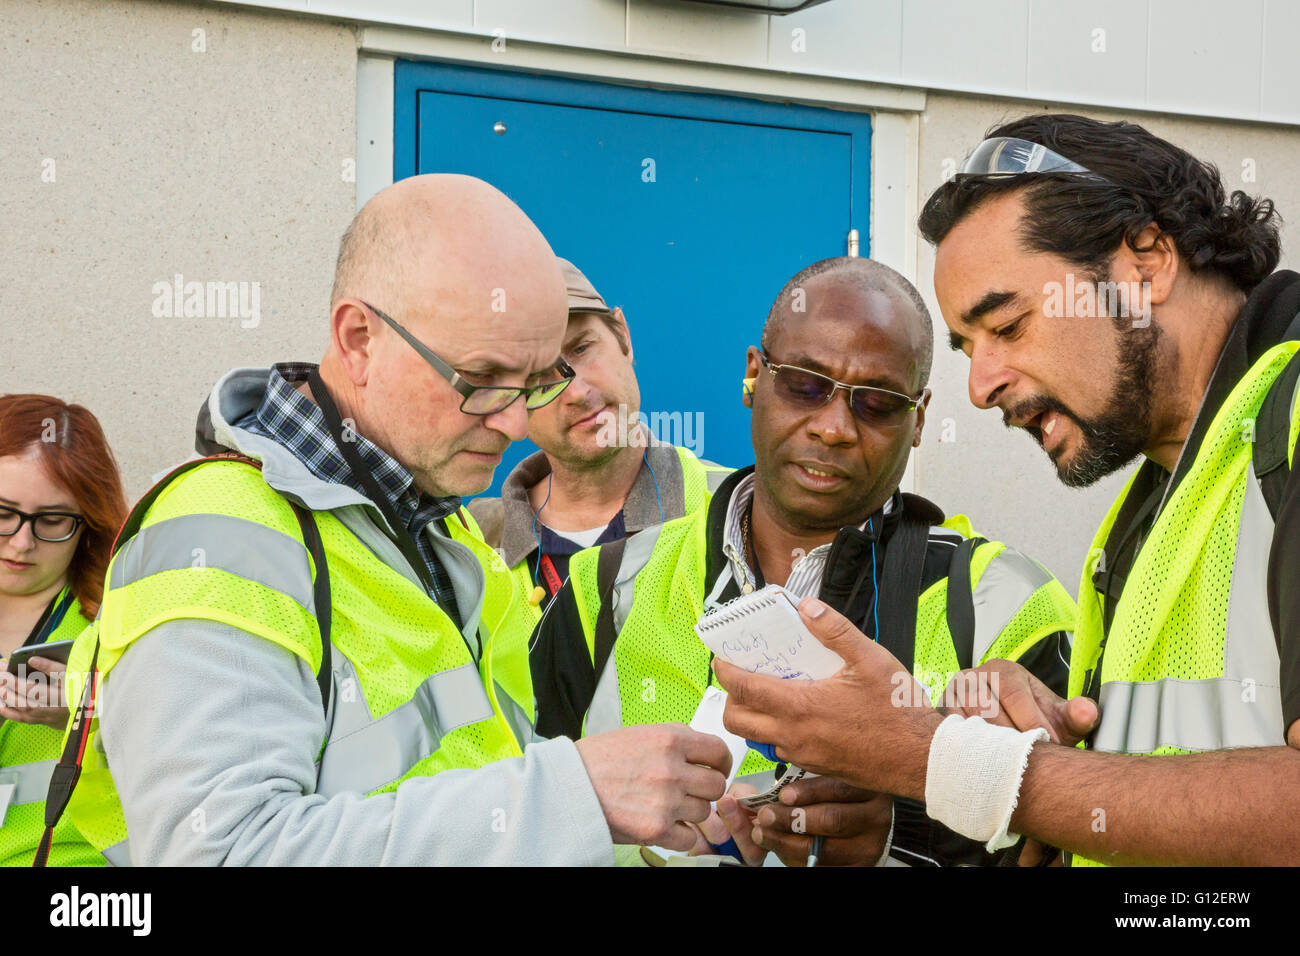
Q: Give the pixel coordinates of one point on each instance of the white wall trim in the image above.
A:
(374, 125)
(895, 152)
(640, 69)
(895, 185)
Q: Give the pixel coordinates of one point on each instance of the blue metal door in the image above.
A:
(688, 210)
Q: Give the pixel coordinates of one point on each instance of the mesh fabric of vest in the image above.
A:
(36, 743)
(382, 622)
(663, 667)
(1171, 618)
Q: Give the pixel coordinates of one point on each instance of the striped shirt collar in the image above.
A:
(805, 577)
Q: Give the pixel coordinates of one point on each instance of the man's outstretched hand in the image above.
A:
(869, 725)
(1005, 693)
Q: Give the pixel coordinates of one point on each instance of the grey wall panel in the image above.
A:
(1094, 52)
(863, 38)
(221, 165)
(707, 33)
(602, 23)
(1204, 57)
(951, 43)
(1280, 70)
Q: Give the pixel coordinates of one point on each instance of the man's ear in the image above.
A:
(920, 418)
(1155, 267)
(351, 336)
(753, 369)
(621, 321)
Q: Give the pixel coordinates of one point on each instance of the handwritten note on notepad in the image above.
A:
(763, 633)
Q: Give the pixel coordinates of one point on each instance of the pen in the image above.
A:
(816, 850)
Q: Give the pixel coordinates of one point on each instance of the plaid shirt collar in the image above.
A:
(291, 419)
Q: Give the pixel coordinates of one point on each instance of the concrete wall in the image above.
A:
(230, 165)
(217, 165)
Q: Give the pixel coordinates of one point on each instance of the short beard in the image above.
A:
(1120, 432)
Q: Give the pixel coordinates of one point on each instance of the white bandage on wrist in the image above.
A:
(972, 781)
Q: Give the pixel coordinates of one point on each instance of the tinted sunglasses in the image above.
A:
(810, 390)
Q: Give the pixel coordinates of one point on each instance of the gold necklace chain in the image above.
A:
(746, 586)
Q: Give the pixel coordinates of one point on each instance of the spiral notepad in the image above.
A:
(763, 633)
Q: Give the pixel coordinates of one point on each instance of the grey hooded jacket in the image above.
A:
(212, 733)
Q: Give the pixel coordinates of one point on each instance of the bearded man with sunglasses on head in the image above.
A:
(820, 512)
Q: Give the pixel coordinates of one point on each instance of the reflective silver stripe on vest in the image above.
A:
(714, 475)
(636, 555)
(1007, 583)
(606, 709)
(238, 546)
(1243, 708)
(521, 724)
(361, 757)
(33, 781)
(1142, 716)
(119, 854)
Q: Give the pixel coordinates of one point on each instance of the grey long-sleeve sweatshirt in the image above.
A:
(212, 733)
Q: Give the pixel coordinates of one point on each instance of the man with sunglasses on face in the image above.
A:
(838, 395)
(294, 653)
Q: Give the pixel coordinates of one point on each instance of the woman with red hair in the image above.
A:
(61, 504)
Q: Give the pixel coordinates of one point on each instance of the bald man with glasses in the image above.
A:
(295, 654)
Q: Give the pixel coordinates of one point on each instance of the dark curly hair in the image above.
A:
(1146, 179)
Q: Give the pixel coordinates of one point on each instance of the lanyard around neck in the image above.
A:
(51, 618)
(348, 449)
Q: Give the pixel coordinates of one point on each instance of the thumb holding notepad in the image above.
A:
(851, 725)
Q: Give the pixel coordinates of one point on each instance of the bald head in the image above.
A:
(468, 275)
(427, 237)
(868, 276)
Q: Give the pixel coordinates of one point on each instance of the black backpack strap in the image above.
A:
(68, 770)
(607, 563)
(1273, 434)
(961, 602)
(63, 781)
(321, 598)
(900, 586)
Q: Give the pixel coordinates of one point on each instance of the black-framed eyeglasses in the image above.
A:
(807, 389)
(484, 399)
(49, 526)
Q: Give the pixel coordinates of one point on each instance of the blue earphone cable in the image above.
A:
(875, 589)
(537, 568)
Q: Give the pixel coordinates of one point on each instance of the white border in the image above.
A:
(895, 186)
(374, 125)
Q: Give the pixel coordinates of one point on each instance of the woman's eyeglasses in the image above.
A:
(484, 399)
(803, 388)
(50, 526)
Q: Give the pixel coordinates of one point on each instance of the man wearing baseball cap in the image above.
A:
(600, 476)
